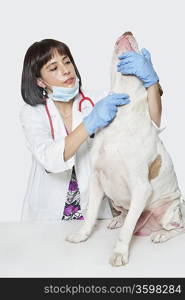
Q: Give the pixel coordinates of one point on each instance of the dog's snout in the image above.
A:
(126, 42)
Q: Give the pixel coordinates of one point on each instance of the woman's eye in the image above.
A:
(68, 62)
(53, 69)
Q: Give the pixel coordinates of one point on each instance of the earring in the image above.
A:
(44, 92)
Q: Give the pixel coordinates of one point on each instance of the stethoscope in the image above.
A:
(84, 98)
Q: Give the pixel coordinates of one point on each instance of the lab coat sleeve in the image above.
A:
(47, 152)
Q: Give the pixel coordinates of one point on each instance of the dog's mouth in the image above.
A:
(126, 42)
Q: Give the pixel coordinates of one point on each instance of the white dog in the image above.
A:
(132, 167)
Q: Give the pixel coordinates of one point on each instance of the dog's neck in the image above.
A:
(132, 86)
(127, 84)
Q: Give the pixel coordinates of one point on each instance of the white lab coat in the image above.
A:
(46, 192)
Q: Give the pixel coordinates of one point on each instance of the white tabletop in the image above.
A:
(40, 250)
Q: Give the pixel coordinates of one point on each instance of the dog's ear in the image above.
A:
(160, 89)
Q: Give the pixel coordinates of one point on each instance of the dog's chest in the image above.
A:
(117, 149)
(112, 174)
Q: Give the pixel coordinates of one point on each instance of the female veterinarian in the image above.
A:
(58, 120)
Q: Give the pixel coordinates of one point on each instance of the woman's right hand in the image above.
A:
(104, 111)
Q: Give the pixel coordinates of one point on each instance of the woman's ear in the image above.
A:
(40, 83)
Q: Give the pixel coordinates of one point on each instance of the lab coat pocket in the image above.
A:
(45, 190)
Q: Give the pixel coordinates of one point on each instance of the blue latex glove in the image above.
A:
(104, 111)
(140, 65)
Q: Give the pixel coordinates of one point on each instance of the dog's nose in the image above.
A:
(125, 43)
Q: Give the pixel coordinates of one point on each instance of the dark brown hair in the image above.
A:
(36, 57)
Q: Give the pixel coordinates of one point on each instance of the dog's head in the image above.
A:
(126, 42)
(125, 83)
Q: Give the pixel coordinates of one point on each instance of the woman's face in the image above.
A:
(59, 71)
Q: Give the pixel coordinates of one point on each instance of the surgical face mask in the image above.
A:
(64, 94)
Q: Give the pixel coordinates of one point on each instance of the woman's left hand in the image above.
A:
(140, 65)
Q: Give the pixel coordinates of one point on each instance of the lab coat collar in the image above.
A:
(58, 124)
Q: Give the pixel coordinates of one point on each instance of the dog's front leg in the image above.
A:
(95, 197)
(140, 195)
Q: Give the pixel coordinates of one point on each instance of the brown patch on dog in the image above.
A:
(154, 168)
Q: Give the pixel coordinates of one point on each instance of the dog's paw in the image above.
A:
(160, 236)
(77, 237)
(116, 222)
(119, 259)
